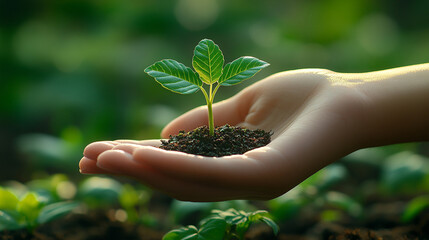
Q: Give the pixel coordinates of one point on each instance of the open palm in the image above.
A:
(314, 122)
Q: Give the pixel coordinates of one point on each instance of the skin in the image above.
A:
(317, 116)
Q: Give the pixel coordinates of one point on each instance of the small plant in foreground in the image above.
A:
(208, 63)
(228, 225)
(29, 211)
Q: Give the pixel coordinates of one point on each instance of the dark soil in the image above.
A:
(101, 226)
(227, 140)
(90, 226)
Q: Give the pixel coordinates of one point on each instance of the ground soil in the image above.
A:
(91, 226)
(381, 220)
(227, 140)
(98, 226)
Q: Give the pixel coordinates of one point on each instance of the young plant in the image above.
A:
(135, 203)
(208, 62)
(228, 225)
(29, 211)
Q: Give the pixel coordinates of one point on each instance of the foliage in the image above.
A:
(99, 192)
(208, 63)
(29, 211)
(135, 203)
(188, 213)
(316, 193)
(42, 200)
(405, 172)
(229, 224)
(415, 207)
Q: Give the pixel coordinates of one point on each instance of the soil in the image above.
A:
(90, 226)
(99, 226)
(381, 219)
(227, 140)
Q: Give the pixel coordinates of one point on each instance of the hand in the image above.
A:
(313, 121)
(317, 117)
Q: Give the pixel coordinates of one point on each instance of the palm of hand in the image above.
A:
(307, 113)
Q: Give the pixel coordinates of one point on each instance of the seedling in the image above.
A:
(208, 63)
(135, 203)
(415, 207)
(29, 211)
(228, 225)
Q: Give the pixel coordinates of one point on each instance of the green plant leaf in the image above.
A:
(208, 61)
(271, 223)
(29, 206)
(240, 70)
(100, 191)
(181, 233)
(212, 229)
(8, 200)
(414, 208)
(8, 222)
(175, 76)
(55, 210)
(129, 196)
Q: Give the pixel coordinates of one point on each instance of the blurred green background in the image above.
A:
(71, 71)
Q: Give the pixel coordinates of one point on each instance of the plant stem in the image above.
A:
(211, 122)
(210, 110)
(214, 92)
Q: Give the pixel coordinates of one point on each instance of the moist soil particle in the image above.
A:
(227, 140)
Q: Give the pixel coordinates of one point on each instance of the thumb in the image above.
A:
(228, 111)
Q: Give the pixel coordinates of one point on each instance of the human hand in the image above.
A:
(314, 120)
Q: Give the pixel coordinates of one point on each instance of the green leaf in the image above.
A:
(8, 200)
(208, 61)
(212, 229)
(55, 210)
(175, 76)
(100, 191)
(414, 208)
(29, 206)
(7, 221)
(129, 196)
(271, 223)
(240, 70)
(262, 216)
(181, 233)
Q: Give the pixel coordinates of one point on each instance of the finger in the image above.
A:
(127, 147)
(229, 111)
(94, 149)
(89, 166)
(151, 142)
(122, 163)
(234, 172)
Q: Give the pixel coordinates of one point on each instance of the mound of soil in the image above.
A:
(227, 140)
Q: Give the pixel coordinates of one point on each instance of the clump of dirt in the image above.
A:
(227, 140)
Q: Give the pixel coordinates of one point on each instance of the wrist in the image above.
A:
(395, 105)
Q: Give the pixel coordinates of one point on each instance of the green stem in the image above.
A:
(211, 121)
(210, 110)
(215, 91)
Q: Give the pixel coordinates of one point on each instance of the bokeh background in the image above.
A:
(71, 71)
